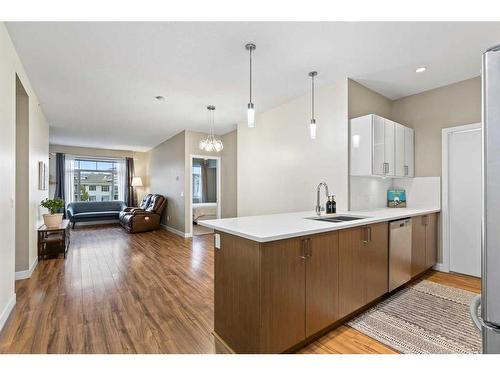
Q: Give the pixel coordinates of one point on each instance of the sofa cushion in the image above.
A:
(97, 214)
(79, 207)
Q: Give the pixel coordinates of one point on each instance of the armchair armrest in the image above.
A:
(128, 209)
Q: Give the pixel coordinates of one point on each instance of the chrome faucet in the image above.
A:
(320, 208)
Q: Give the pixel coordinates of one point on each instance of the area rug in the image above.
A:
(425, 318)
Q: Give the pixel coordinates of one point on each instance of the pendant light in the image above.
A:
(312, 125)
(210, 143)
(250, 111)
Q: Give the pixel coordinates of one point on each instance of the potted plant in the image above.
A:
(53, 219)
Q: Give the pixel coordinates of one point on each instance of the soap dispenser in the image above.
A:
(331, 205)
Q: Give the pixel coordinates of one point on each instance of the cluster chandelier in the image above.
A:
(210, 143)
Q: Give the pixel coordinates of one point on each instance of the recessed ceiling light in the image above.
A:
(421, 69)
(159, 97)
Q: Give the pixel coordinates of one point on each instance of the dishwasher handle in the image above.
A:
(400, 223)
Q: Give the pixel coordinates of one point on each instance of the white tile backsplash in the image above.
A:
(367, 193)
(420, 191)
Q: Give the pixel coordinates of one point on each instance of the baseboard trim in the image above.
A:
(175, 231)
(441, 267)
(21, 275)
(7, 310)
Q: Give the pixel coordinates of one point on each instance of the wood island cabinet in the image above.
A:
(424, 243)
(299, 293)
(363, 266)
(272, 296)
(322, 282)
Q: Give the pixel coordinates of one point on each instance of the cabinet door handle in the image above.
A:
(309, 248)
(406, 170)
(303, 255)
(365, 235)
(425, 220)
(369, 230)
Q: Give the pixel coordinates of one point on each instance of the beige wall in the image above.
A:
(228, 170)
(229, 176)
(279, 166)
(10, 65)
(433, 110)
(427, 112)
(363, 101)
(22, 178)
(167, 177)
(169, 174)
(141, 162)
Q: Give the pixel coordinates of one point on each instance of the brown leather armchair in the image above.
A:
(146, 217)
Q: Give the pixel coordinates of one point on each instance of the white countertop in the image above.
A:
(265, 228)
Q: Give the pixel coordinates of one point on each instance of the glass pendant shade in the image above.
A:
(250, 47)
(312, 124)
(251, 116)
(210, 143)
(312, 129)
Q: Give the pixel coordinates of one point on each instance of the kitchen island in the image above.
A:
(283, 280)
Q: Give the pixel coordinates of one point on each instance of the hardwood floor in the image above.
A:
(143, 293)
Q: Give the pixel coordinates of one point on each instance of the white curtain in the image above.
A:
(69, 178)
(122, 167)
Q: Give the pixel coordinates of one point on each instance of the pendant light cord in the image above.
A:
(312, 98)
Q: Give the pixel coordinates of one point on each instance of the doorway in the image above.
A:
(22, 179)
(205, 191)
(462, 181)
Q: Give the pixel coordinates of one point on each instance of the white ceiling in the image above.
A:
(96, 82)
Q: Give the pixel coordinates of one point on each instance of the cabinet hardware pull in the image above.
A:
(424, 219)
(369, 234)
(385, 169)
(365, 235)
(310, 253)
(303, 255)
(406, 170)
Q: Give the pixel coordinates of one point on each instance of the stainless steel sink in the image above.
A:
(337, 219)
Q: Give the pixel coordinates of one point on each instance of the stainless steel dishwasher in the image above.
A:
(399, 253)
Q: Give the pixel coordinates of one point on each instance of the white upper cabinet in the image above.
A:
(409, 152)
(380, 147)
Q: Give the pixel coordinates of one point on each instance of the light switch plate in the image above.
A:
(217, 240)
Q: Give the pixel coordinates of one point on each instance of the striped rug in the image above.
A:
(425, 318)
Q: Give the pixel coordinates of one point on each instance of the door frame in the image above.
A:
(190, 195)
(445, 209)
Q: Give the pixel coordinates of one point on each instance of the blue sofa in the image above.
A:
(94, 211)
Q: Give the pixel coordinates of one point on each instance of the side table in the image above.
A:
(53, 240)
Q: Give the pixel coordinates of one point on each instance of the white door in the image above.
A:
(464, 199)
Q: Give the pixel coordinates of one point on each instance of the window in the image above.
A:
(90, 173)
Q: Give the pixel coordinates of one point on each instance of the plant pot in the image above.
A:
(52, 220)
